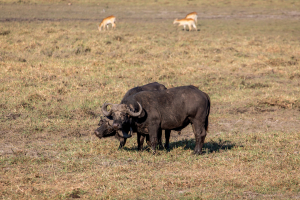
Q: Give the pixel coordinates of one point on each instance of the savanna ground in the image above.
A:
(57, 70)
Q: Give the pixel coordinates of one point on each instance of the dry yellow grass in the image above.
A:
(57, 70)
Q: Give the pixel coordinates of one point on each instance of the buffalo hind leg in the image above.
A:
(167, 136)
(200, 134)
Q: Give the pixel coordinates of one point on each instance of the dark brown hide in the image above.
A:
(171, 109)
(106, 128)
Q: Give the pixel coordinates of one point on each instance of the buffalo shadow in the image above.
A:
(209, 147)
(189, 144)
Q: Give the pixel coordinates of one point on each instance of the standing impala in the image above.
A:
(192, 15)
(184, 22)
(106, 21)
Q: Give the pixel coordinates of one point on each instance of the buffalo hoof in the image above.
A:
(197, 153)
(141, 148)
(153, 152)
(160, 146)
(167, 147)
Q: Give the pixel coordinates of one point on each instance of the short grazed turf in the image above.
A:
(57, 70)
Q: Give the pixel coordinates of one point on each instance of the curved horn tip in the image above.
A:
(141, 109)
(104, 109)
(135, 114)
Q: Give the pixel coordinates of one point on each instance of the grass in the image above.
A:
(256, 165)
(57, 70)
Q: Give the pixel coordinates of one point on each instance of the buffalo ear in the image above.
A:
(131, 107)
(101, 122)
(132, 113)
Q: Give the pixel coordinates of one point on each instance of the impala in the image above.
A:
(106, 21)
(192, 15)
(184, 22)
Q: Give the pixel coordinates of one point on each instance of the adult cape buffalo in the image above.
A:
(148, 112)
(106, 128)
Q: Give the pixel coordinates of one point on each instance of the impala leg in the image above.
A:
(195, 27)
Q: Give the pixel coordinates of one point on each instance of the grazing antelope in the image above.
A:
(192, 15)
(184, 22)
(106, 21)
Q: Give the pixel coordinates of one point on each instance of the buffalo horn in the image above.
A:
(104, 109)
(133, 114)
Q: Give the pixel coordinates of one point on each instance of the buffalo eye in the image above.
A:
(123, 116)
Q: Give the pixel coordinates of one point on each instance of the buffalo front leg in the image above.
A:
(159, 140)
(153, 133)
(200, 134)
(148, 140)
(140, 141)
(122, 142)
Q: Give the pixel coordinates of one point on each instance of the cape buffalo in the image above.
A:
(106, 128)
(148, 112)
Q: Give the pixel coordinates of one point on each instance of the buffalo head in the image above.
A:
(105, 128)
(121, 115)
